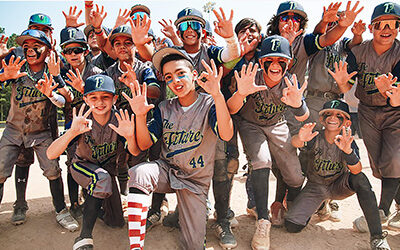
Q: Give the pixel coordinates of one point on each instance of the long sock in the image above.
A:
(73, 189)
(250, 192)
(397, 197)
(281, 186)
(389, 190)
(259, 180)
(292, 193)
(1, 191)
(138, 205)
(156, 201)
(221, 191)
(90, 212)
(57, 193)
(367, 200)
(21, 181)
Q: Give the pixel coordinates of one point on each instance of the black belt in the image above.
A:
(326, 95)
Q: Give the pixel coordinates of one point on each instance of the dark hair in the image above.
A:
(175, 57)
(273, 25)
(247, 22)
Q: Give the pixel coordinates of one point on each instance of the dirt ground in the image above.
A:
(41, 230)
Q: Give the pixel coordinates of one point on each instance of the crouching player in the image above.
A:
(188, 128)
(334, 172)
(98, 136)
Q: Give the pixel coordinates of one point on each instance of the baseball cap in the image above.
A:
(123, 30)
(384, 9)
(140, 8)
(190, 14)
(72, 35)
(291, 6)
(336, 105)
(97, 83)
(89, 28)
(41, 19)
(164, 52)
(275, 46)
(37, 35)
(208, 28)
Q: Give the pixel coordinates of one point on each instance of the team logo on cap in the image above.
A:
(292, 5)
(71, 33)
(124, 29)
(276, 43)
(99, 82)
(41, 17)
(388, 7)
(188, 12)
(335, 104)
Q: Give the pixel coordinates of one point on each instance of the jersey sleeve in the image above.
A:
(150, 78)
(311, 44)
(58, 79)
(212, 120)
(155, 126)
(396, 72)
(352, 66)
(214, 52)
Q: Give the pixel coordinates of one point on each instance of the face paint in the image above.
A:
(184, 76)
(267, 64)
(339, 116)
(38, 51)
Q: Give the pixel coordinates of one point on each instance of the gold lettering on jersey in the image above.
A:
(182, 137)
(321, 165)
(265, 110)
(25, 91)
(368, 79)
(98, 151)
(330, 60)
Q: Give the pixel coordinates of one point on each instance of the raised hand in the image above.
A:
(340, 75)
(129, 76)
(168, 28)
(80, 123)
(4, 51)
(289, 32)
(394, 95)
(245, 82)
(160, 43)
(223, 27)
(245, 46)
(138, 102)
(330, 13)
(358, 28)
(54, 64)
(349, 15)
(71, 19)
(75, 80)
(140, 29)
(306, 132)
(292, 95)
(96, 17)
(126, 126)
(123, 18)
(344, 140)
(385, 83)
(210, 80)
(46, 86)
(12, 70)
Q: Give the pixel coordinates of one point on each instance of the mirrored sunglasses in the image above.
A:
(285, 18)
(380, 25)
(76, 50)
(193, 24)
(139, 13)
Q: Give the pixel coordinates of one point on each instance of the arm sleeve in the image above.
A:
(396, 72)
(215, 52)
(58, 79)
(155, 126)
(311, 44)
(352, 66)
(150, 78)
(212, 120)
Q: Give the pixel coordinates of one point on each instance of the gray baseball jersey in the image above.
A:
(188, 141)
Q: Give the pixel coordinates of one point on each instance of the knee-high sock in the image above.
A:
(57, 193)
(138, 205)
(259, 180)
(21, 181)
(90, 212)
(156, 201)
(389, 190)
(397, 197)
(73, 189)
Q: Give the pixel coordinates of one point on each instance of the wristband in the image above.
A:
(98, 33)
(352, 158)
(57, 99)
(300, 111)
(88, 5)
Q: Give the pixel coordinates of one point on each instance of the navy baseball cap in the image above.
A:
(336, 105)
(123, 30)
(190, 14)
(208, 28)
(167, 51)
(37, 35)
(275, 46)
(291, 6)
(97, 83)
(385, 9)
(72, 35)
(40, 19)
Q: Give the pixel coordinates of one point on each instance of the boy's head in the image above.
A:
(334, 115)
(190, 26)
(208, 33)
(36, 46)
(385, 23)
(177, 69)
(275, 56)
(99, 93)
(139, 10)
(289, 10)
(41, 22)
(251, 25)
(122, 44)
(74, 46)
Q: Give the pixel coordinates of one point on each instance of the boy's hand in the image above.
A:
(4, 51)
(46, 86)
(71, 19)
(358, 28)
(126, 126)
(96, 17)
(80, 123)
(385, 83)
(210, 80)
(330, 13)
(168, 28)
(293, 95)
(223, 27)
(129, 76)
(160, 43)
(344, 140)
(12, 70)
(289, 32)
(138, 102)
(349, 14)
(394, 95)
(140, 29)
(75, 80)
(305, 132)
(123, 18)
(54, 64)
(245, 46)
(245, 82)
(340, 75)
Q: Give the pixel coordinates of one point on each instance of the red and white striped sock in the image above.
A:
(138, 205)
